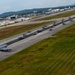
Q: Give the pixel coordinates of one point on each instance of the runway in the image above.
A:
(23, 44)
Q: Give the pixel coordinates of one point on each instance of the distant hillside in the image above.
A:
(7, 14)
(24, 12)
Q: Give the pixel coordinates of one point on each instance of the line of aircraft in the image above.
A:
(4, 48)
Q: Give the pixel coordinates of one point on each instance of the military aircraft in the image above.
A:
(4, 48)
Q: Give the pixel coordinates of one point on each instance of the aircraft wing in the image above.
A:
(3, 46)
(5, 49)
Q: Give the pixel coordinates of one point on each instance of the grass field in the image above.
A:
(52, 56)
(66, 14)
(10, 31)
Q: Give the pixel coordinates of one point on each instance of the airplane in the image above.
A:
(4, 48)
(63, 22)
(54, 24)
(50, 29)
(70, 19)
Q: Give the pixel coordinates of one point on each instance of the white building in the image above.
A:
(55, 10)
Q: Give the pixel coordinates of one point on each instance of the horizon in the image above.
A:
(11, 6)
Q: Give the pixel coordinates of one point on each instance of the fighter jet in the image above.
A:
(63, 22)
(4, 48)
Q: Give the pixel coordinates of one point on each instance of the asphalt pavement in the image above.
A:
(23, 44)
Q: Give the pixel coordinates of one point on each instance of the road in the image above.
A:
(23, 44)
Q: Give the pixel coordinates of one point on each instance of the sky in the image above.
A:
(16, 5)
